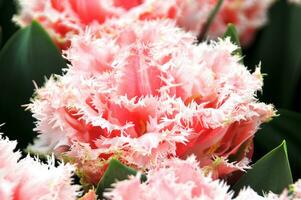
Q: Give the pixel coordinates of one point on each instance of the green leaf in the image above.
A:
(284, 127)
(292, 57)
(28, 56)
(279, 50)
(210, 19)
(232, 33)
(116, 171)
(270, 173)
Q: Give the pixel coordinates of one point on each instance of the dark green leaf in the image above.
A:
(232, 33)
(292, 57)
(28, 56)
(116, 171)
(279, 50)
(270, 173)
(284, 127)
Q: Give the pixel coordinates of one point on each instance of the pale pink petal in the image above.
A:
(30, 179)
(65, 18)
(176, 179)
(89, 196)
(248, 193)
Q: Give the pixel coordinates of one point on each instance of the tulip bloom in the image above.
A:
(90, 195)
(30, 179)
(178, 179)
(65, 18)
(145, 92)
(192, 15)
(247, 16)
(184, 180)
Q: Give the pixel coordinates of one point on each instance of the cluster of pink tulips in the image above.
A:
(151, 85)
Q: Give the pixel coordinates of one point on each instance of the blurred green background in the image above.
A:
(277, 46)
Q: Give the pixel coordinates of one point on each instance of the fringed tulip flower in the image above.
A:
(249, 193)
(144, 92)
(178, 179)
(247, 16)
(192, 15)
(90, 195)
(184, 180)
(30, 179)
(65, 18)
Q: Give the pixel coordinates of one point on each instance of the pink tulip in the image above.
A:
(192, 15)
(65, 18)
(184, 180)
(247, 16)
(90, 195)
(145, 92)
(178, 179)
(30, 179)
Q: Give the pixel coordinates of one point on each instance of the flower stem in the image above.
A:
(205, 29)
